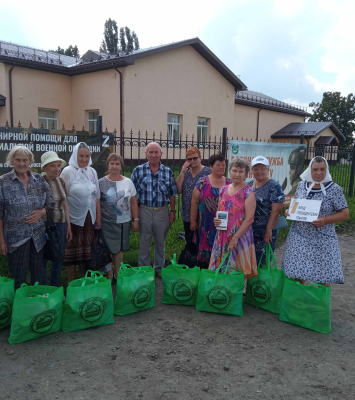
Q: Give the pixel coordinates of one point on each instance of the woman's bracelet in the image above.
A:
(135, 219)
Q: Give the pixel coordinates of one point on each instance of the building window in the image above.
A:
(49, 118)
(202, 129)
(174, 127)
(92, 121)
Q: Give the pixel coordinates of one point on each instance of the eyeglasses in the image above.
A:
(192, 159)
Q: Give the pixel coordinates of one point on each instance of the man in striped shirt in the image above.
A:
(156, 189)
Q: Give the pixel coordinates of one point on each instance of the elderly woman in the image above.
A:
(269, 202)
(312, 251)
(52, 166)
(191, 172)
(238, 199)
(204, 205)
(84, 209)
(23, 198)
(118, 209)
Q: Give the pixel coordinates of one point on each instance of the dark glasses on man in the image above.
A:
(192, 159)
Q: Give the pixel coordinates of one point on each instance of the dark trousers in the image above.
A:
(56, 266)
(188, 236)
(24, 257)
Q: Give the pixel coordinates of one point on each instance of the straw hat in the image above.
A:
(49, 157)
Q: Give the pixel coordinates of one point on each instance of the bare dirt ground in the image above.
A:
(175, 352)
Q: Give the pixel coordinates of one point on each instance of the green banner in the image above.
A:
(61, 141)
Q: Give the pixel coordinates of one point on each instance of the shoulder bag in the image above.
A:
(52, 248)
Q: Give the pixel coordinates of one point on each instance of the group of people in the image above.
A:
(79, 203)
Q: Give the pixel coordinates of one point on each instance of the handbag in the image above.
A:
(88, 303)
(306, 306)
(100, 256)
(221, 293)
(52, 249)
(180, 284)
(189, 254)
(265, 290)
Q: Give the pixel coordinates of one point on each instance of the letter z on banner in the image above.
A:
(286, 161)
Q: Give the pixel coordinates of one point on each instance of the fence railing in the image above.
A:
(341, 160)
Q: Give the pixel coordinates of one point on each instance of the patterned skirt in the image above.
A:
(78, 250)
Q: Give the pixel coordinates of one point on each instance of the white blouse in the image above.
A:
(82, 194)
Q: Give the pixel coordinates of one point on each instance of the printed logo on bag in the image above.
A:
(5, 311)
(260, 292)
(43, 322)
(141, 296)
(92, 310)
(183, 290)
(219, 297)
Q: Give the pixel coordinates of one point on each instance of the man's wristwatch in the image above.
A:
(174, 211)
(136, 219)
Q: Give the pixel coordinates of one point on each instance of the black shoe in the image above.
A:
(158, 274)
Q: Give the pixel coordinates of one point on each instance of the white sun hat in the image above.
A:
(51, 156)
(260, 160)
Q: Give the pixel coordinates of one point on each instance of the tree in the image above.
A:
(122, 39)
(128, 41)
(110, 41)
(103, 47)
(135, 40)
(338, 109)
(71, 51)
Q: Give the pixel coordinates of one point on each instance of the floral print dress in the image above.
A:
(243, 257)
(209, 197)
(312, 253)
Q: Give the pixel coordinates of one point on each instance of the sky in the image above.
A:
(290, 50)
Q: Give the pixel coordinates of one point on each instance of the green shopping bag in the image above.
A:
(306, 306)
(221, 293)
(265, 290)
(89, 302)
(7, 294)
(33, 315)
(135, 290)
(180, 284)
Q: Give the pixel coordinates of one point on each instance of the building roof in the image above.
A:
(325, 141)
(260, 100)
(11, 53)
(308, 129)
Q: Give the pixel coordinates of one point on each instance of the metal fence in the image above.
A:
(341, 160)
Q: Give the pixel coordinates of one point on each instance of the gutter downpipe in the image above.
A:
(10, 89)
(121, 108)
(257, 126)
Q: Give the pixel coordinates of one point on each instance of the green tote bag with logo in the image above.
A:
(89, 302)
(221, 293)
(37, 311)
(180, 284)
(306, 306)
(135, 290)
(7, 294)
(265, 290)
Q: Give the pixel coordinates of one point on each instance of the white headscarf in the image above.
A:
(81, 172)
(307, 176)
